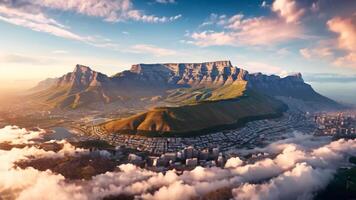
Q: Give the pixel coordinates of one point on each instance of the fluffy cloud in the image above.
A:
(256, 31)
(297, 183)
(288, 9)
(37, 22)
(346, 30)
(297, 168)
(109, 10)
(340, 50)
(29, 16)
(233, 162)
(15, 135)
(32, 14)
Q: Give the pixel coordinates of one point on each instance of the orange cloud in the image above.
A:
(346, 41)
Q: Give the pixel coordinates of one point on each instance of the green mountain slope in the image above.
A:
(200, 117)
(183, 96)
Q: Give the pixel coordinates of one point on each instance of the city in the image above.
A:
(164, 153)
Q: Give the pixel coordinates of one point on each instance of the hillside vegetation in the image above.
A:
(183, 96)
(200, 117)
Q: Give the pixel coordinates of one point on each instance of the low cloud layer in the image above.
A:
(294, 168)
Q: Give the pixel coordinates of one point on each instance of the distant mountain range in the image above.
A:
(190, 96)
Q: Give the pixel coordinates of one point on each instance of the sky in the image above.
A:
(46, 38)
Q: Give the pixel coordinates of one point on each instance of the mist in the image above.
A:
(297, 168)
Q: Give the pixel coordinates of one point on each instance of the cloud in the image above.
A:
(15, 135)
(329, 78)
(339, 50)
(138, 16)
(233, 162)
(322, 52)
(290, 10)
(109, 10)
(264, 4)
(151, 49)
(30, 17)
(263, 67)
(165, 1)
(298, 183)
(214, 19)
(256, 31)
(345, 28)
(37, 22)
(296, 168)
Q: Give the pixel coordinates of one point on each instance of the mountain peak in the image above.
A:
(296, 77)
(81, 68)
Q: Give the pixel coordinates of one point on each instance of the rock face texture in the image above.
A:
(85, 86)
(82, 78)
(192, 74)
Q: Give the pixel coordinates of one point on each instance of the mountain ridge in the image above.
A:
(145, 81)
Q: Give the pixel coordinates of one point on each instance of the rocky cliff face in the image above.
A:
(148, 80)
(192, 74)
(83, 77)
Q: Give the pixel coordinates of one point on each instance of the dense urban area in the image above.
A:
(163, 153)
(213, 149)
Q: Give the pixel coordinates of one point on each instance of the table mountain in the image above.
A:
(187, 82)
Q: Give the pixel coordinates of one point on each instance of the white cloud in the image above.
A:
(288, 9)
(233, 162)
(37, 22)
(109, 10)
(301, 166)
(151, 49)
(15, 135)
(214, 19)
(165, 1)
(138, 16)
(264, 4)
(257, 31)
(298, 183)
(31, 15)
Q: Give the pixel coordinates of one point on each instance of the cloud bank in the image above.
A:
(295, 168)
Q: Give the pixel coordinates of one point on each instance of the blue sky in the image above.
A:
(46, 38)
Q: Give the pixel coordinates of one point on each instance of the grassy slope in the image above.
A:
(210, 114)
(61, 97)
(184, 96)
